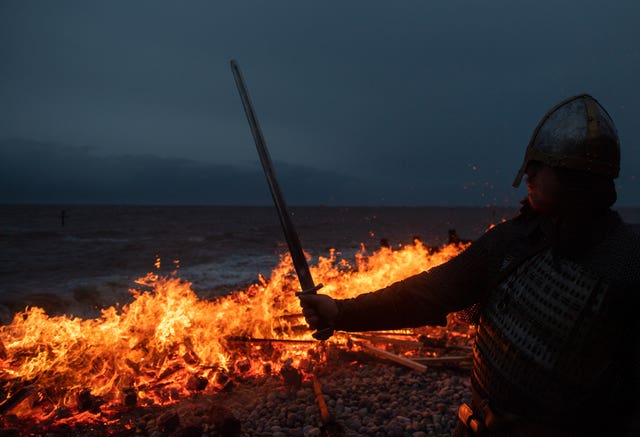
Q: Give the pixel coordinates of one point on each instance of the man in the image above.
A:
(555, 351)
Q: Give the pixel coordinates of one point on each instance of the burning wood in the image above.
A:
(133, 366)
(89, 402)
(242, 365)
(17, 398)
(330, 427)
(130, 397)
(433, 342)
(459, 360)
(388, 340)
(271, 340)
(167, 343)
(190, 356)
(169, 371)
(197, 383)
(291, 376)
(322, 405)
(439, 345)
(391, 356)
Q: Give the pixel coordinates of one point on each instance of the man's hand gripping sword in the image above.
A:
(295, 248)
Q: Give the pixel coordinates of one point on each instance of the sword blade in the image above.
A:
(291, 236)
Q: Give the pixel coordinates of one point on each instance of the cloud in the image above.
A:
(48, 173)
(33, 172)
(391, 103)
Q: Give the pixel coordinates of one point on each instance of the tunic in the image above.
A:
(557, 338)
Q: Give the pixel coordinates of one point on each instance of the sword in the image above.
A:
(295, 248)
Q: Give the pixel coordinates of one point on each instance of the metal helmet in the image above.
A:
(578, 134)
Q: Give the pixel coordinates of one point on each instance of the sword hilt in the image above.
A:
(324, 331)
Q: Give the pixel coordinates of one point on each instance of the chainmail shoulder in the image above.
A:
(617, 256)
(550, 338)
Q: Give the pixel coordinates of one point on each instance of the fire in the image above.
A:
(167, 343)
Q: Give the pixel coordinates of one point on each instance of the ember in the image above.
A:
(167, 344)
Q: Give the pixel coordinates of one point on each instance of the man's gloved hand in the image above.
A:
(319, 310)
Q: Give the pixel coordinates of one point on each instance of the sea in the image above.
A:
(76, 260)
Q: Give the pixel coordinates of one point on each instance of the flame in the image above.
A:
(167, 342)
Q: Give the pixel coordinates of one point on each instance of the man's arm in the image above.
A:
(426, 298)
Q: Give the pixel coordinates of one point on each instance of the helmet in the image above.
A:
(578, 134)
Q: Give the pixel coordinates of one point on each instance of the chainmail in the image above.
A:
(547, 335)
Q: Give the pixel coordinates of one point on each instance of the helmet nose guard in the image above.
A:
(577, 133)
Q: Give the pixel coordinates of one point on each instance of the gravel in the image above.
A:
(365, 397)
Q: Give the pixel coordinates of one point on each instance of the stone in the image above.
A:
(313, 432)
(168, 421)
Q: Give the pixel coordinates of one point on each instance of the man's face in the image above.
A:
(543, 187)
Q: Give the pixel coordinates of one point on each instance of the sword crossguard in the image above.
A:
(313, 290)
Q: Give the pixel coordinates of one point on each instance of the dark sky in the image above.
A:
(424, 102)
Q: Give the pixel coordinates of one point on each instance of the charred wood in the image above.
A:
(433, 342)
(169, 371)
(458, 359)
(268, 340)
(16, 398)
(243, 365)
(389, 333)
(141, 345)
(157, 358)
(130, 397)
(223, 381)
(295, 329)
(62, 413)
(291, 376)
(88, 402)
(191, 357)
(133, 366)
(197, 383)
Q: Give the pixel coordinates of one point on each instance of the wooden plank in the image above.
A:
(391, 356)
(16, 398)
(443, 360)
(267, 340)
(322, 405)
(382, 339)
